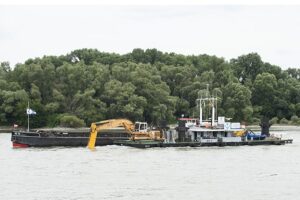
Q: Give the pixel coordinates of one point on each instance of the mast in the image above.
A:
(213, 111)
(200, 122)
(27, 117)
(211, 101)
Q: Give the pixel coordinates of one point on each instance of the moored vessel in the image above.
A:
(79, 138)
(202, 132)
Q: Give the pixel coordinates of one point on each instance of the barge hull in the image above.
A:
(149, 144)
(28, 139)
(60, 141)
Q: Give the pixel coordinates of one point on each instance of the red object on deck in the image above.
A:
(18, 145)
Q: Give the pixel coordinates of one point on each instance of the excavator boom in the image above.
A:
(107, 124)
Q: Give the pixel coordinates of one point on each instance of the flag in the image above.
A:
(30, 111)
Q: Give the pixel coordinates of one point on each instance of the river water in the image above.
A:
(115, 172)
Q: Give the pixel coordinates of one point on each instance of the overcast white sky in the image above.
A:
(224, 31)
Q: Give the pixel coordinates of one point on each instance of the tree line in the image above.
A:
(87, 85)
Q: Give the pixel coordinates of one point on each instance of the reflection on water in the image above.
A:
(114, 172)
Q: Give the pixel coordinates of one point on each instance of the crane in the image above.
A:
(138, 131)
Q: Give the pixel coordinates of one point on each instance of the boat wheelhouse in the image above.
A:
(207, 128)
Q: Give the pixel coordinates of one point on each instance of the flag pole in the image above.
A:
(27, 117)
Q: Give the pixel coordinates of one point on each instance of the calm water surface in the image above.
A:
(114, 172)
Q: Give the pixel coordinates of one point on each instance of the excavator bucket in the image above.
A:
(93, 137)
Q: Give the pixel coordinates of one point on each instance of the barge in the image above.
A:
(48, 138)
(150, 144)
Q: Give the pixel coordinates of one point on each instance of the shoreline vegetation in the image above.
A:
(275, 127)
(87, 85)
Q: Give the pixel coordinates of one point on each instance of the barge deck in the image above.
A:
(152, 143)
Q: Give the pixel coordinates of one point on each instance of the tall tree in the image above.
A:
(264, 93)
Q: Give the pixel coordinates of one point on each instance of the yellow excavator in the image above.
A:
(137, 131)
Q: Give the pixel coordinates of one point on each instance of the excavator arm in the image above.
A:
(107, 124)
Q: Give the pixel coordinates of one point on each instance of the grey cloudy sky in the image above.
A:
(224, 31)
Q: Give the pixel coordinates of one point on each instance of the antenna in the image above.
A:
(211, 108)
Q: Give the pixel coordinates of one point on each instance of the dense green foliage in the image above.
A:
(71, 121)
(144, 85)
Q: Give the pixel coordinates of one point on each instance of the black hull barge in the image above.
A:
(71, 138)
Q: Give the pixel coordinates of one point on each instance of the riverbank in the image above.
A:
(7, 129)
(4, 129)
(275, 127)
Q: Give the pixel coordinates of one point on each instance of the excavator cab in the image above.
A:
(140, 127)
